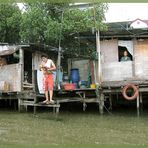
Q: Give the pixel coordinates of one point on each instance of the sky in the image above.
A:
(119, 12)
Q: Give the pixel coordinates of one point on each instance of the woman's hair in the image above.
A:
(44, 56)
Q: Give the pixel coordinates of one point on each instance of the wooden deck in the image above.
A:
(32, 103)
(116, 86)
(77, 95)
(83, 96)
(141, 82)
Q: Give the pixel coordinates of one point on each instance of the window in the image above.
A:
(125, 50)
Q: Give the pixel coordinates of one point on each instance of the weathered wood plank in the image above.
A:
(39, 104)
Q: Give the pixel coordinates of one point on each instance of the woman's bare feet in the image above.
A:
(50, 102)
(45, 101)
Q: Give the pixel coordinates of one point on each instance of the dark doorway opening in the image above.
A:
(27, 66)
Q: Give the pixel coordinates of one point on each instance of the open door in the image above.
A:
(27, 66)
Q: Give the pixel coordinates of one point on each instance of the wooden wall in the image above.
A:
(117, 71)
(109, 51)
(112, 69)
(141, 58)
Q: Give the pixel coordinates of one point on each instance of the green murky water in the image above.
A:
(120, 127)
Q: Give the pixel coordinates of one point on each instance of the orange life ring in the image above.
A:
(126, 88)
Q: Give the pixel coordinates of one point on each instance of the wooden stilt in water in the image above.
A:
(141, 102)
(19, 105)
(138, 105)
(10, 102)
(57, 110)
(110, 101)
(84, 103)
(101, 104)
(26, 108)
(35, 108)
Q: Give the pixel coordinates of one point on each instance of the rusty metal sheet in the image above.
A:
(7, 50)
(11, 74)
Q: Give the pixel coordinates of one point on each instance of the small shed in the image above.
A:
(18, 70)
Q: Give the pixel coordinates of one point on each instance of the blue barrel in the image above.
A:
(75, 75)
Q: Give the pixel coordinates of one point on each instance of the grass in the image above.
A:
(72, 128)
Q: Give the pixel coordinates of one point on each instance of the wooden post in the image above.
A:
(33, 69)
(138, 112)
(101, 104)
(101, 96)
(21, 62)
(21, 69)
(133, 62)
(33, 81)
(84, 103)
(110, 101)
(34, 109)
(99, 57)
(58, 67)
(19, 104)
(20, 107)
(141, 102)
(59, 53)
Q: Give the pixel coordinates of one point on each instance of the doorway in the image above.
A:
(27, 66)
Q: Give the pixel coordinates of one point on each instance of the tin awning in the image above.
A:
(8, 50)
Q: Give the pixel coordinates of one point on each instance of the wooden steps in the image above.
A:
(26, 103)
(31, 103)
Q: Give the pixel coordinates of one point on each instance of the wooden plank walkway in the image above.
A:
(31, 103)
(62, 96)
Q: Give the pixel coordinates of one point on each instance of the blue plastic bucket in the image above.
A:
(83, 82)
(75, 75)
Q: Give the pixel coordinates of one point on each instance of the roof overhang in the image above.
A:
(8, 50)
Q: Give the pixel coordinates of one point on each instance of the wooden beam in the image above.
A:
(21, 62)
(138, 105)
(99, 57)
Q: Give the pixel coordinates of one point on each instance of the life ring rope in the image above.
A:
(125, 90)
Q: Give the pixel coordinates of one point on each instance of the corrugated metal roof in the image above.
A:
(7, 50)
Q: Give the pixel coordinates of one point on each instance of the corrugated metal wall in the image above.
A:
(36, 60)
(82, 65)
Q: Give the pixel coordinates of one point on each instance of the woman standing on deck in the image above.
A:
(47, 66)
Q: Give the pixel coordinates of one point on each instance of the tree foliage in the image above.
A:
(49, 23)
(10, 18)
(43, 22)
(33, 25)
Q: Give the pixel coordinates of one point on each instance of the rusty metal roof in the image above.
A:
(7, 50)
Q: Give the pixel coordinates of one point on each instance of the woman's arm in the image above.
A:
(53, 67)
